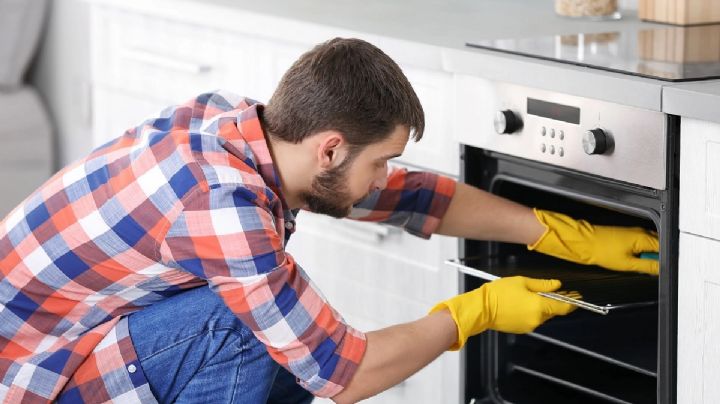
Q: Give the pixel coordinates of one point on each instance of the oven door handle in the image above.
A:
(455, 263)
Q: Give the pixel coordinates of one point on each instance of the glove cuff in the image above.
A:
(539, 217)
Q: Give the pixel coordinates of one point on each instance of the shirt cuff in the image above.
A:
(424, 224)
(348, 355)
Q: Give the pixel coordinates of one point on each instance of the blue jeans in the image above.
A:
(193, 349)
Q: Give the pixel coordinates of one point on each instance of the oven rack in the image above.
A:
(602, 290)
(575, 372)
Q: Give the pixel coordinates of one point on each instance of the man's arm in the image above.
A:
(477, 214)
(510, 305)
(394, 353)
(424, 204)
(480, 215)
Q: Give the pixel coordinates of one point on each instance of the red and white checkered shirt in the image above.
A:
(187, 199)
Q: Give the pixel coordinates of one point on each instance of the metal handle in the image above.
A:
(164, 62)
(490, 277)
(377, 230)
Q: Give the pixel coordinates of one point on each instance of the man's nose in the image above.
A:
(379, 183)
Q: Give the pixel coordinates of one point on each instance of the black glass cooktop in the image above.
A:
(669, 53)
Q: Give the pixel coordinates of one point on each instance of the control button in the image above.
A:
(596, 141)
(561, 152)
(543, 131)
(562, 135)
(507, 122)
(552, 133)
(289, 225)
(542, 148)
(552, 149)
(132, 368)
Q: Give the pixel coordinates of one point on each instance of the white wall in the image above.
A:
(62, 76)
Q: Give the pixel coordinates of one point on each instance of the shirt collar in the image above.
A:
(250, 127)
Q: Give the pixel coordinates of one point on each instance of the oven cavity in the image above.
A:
(584, 357)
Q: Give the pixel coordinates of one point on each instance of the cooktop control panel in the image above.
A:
(592, 136)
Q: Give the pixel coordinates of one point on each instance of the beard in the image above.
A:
(329, 194)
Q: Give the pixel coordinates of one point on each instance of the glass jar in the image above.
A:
(591, 9)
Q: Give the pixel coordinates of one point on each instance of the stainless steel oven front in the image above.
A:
(609, 164)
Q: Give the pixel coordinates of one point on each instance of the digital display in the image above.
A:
(552, 110)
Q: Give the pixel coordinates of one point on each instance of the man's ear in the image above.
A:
(331, 149)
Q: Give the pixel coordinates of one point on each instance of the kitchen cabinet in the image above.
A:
(699, 322)
(700, 178)
(436, 150)
(699, 276)
(142, 62)
(374, 274)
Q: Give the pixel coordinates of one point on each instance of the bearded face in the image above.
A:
(329, 193)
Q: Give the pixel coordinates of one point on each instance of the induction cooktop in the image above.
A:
(669, 53)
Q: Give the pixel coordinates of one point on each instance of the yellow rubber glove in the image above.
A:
(509, 305)
(610, 247)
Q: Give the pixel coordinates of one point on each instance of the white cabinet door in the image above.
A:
(437, 150)
(698, 321)
(700, 178)
(377, 276)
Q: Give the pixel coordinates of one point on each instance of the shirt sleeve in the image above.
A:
(226, 236)
(415, 201)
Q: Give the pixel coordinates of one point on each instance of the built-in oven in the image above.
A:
(606, 163)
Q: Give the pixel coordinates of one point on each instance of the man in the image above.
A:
(154, 268)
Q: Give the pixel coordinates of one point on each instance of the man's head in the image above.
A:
(360, 105)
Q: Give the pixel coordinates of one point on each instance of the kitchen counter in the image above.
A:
(699, 100)
(432, 34)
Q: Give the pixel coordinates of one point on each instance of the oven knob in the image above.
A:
(507, 122)
(596, 141)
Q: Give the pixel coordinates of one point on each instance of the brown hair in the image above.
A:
(347, 85)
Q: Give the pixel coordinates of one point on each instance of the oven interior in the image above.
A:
(583, 357)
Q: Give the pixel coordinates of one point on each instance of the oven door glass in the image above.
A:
(583, 357)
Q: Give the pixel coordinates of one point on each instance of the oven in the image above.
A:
(609, 164)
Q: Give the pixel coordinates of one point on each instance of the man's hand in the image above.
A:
(611, 247)
(508, 304)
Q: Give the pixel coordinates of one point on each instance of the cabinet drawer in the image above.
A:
(151, 55)
(404, 273)
(175, 61)
(700, 178)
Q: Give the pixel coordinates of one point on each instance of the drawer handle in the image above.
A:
(380, 231)
(490, 277)
(164, 62)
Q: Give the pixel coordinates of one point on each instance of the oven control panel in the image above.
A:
(592, 136)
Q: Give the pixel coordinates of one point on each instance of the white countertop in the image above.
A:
(444, 23)
(699, 100)
(432, 34)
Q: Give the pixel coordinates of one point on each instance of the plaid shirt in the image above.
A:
(187, 199)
